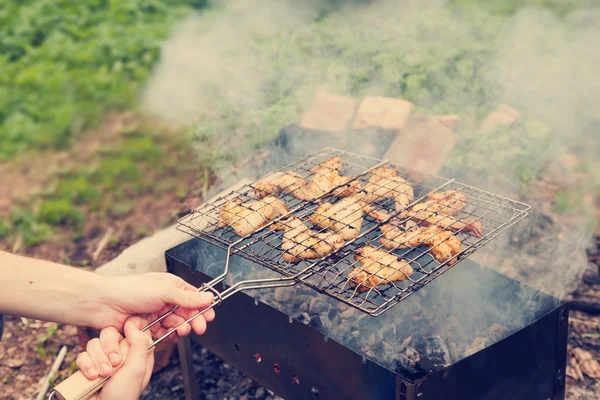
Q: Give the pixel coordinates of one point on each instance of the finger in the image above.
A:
(99, 358)
(186, 298)
(109, 342)
(174, 321)
(128, 381)
(86, 366)
(199, 325)
(209, 315)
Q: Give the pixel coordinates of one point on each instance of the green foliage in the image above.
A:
(509, 7)
(4, 227)
(64, 63)
(59, 212)
(77, 189)
(29, 227)
(567, 202)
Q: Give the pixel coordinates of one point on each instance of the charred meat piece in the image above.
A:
(301, 243)
(289, 182)
(345, 217)
(452, 202)
(444, 246)
(430, 213)
(378, 268)
(245, 218)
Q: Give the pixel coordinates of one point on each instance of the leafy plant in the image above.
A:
(4, 227)
(58, 212)
(65, 63)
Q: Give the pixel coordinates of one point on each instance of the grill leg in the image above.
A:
(187, 368)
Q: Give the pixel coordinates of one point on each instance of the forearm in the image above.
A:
(48, 291)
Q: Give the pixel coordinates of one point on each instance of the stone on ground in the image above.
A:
(329, 112)
(422, 146)
(382, 112)
(502, 115)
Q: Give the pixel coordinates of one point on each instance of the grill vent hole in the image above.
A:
(257, 357)
(295, 380)
(276, 368)
(237, 347)
(314, 391)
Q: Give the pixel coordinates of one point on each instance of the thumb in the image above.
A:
(128, 381)
(187, 298)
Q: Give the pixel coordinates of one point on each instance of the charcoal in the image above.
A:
(333, 313)
(304, 318)
(425, 364)
(318, 306)
(408, 360)
(366, 351)
(303, 307)
(282, 295)
(437, 351)
(348, 313)
(387, 348)
(315, 322)
(389, 332)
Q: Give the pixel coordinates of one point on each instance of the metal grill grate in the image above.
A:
(437, 237)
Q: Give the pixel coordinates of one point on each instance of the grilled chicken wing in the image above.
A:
(301, 243)
(430, 213)
(378, 268)
(326, 177)
(452, 201)
(247, 217)
(443, 244)
(289, 182)
(345, 217)
(384, 184)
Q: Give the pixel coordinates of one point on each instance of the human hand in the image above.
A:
(148, 295)
(133, 376)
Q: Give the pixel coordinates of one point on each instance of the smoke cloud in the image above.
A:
(245, 69)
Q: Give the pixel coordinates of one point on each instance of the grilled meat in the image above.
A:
(430, 213)
(378, 268)
(301, 243)
(289, 182)
(443, 244)
(452, 201)
(384, 184)
(326, 177)
(245, 218)
(345, 217)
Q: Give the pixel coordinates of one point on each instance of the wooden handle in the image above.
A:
(78, 387)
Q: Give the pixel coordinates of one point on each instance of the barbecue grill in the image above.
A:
(333, 273)
(338, 342)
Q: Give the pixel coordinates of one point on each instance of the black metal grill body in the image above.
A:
(296, 361)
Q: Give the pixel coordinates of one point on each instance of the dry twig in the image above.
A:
(102, 244)
(587, 363)
(53, 370)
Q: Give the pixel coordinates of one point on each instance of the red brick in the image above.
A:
(329, 112)
(422, 146)
(382, 112)
(502, 115)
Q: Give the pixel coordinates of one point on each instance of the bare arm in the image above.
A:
(48, 291)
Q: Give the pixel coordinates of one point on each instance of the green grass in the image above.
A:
(566, 202)
(65, 63)
(106, 185)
